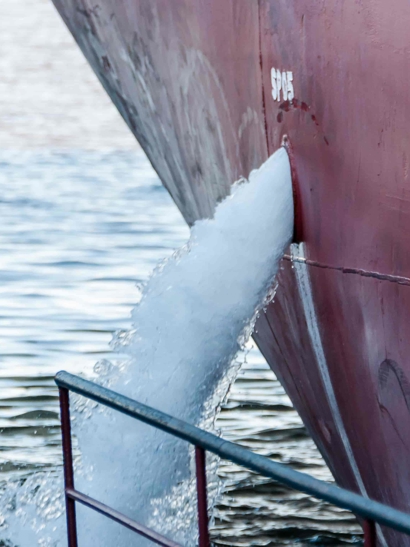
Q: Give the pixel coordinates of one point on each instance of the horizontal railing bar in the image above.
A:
(359, 505)
(120, 518)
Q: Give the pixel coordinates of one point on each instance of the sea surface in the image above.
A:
(84, 220)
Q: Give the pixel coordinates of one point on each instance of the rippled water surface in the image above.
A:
(79, 231)
(84, 219)
(256, 510)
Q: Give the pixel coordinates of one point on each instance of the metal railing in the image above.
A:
(370, 511)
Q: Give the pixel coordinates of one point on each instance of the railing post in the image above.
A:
(370, 536)
(202, 497)
(68, 466)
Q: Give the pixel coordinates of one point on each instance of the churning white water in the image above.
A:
(195, 314)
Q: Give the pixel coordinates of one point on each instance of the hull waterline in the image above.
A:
(194, 81)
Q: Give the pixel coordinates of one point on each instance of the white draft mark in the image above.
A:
(282, 84)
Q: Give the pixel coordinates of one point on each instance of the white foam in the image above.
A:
(195, 313)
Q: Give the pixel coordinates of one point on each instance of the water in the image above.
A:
(257, 511)
(187, 328)
(83, 219)
(74, 244)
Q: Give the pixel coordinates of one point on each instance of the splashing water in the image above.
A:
(195, 314)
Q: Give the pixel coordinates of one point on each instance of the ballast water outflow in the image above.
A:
(196, 312)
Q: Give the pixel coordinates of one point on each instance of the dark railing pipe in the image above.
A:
(371, 511)
(370, 536)
(68, 465)
(103, 509)
(202, 497)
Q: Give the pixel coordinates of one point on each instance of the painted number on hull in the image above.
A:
(282, 85)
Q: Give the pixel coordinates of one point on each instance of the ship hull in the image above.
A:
(210, 89)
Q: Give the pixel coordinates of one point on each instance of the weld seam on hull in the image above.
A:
(265, 120)
(355, 271)
(305, 292)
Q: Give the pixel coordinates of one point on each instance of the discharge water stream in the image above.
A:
(196, 313)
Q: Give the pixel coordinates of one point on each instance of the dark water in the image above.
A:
(83, 220)
(255, 510)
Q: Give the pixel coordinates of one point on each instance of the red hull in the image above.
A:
(193, 80)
